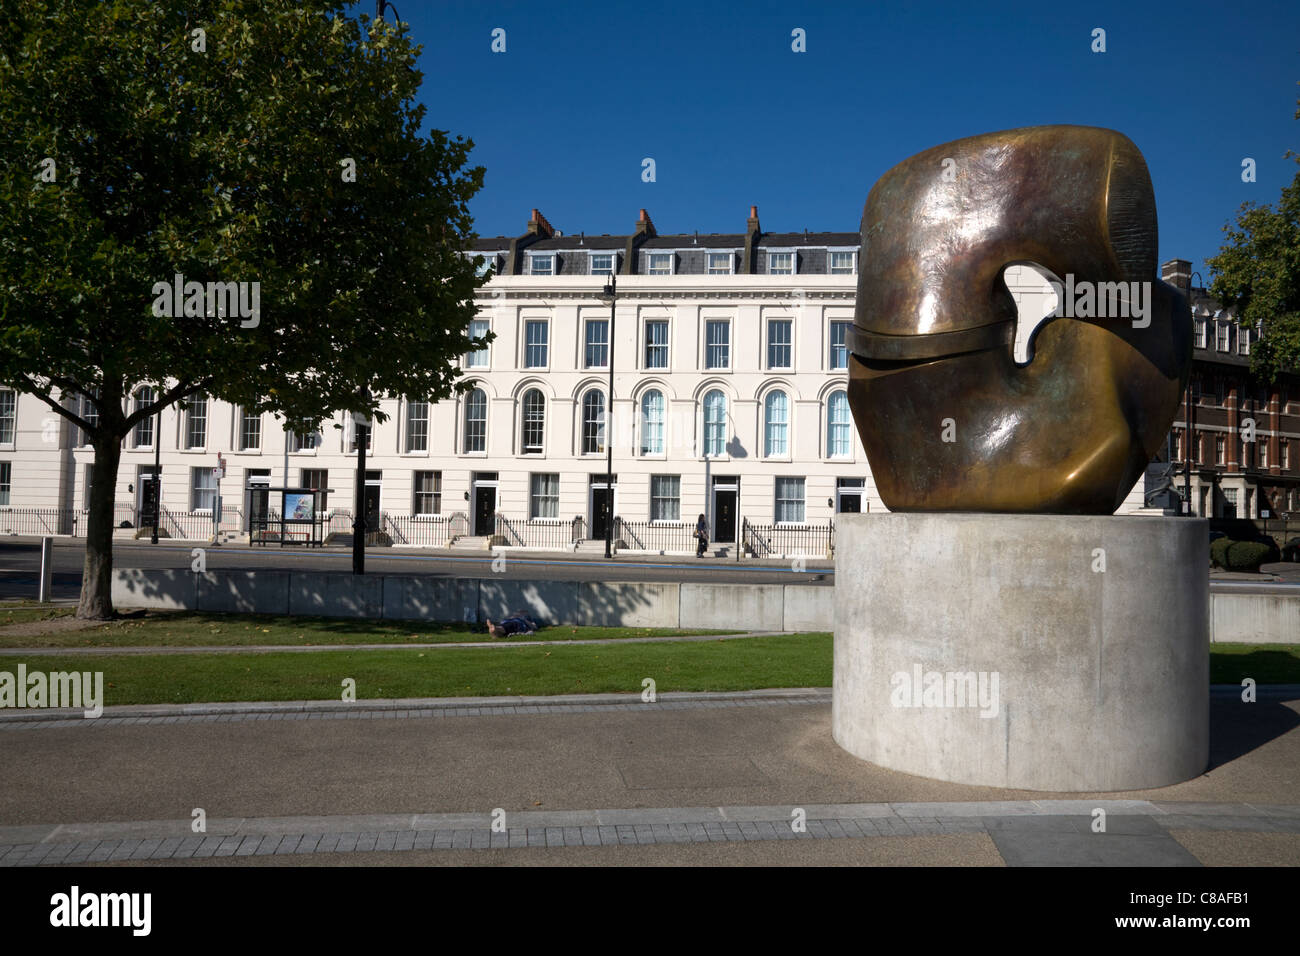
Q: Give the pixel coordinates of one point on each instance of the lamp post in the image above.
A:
(1187, 423)
(610, 294)
(361, 428)
(157, 472)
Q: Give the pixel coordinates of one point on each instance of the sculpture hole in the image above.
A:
(1030, 285)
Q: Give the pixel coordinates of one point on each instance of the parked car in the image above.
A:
(1291, 550)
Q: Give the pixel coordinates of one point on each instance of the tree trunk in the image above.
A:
(97, 572)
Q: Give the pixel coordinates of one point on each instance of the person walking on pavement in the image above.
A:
(701, 536)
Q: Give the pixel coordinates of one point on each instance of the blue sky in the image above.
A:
(732, 116)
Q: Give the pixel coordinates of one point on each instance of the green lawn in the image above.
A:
(1266, 663)
(21, 613)
(743, 664)
(193, 629)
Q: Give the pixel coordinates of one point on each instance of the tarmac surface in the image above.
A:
(742, 778)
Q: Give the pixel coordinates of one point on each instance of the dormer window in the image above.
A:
(720, 263)
(602, 263)
(539, 265)
(487, 266)
(659, 263)
(841, 263)
(780, 263)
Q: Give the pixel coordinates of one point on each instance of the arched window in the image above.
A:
(534, 424)
(476, 420)
(652, 423)
(593, 423)
(715, 423)
(776, 419)
(838, 425)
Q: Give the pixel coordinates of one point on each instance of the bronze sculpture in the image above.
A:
(949, 421)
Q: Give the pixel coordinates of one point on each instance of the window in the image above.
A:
(1219, 390)
(90, 412)
(1243, 341)
(715, 423)
(780, 263)
(250, 431)
(1218, 450)
(720, 263)
(196, 421)
(789, 500)
(1224, 334)
(8, 415)
(779, 332)
(841, 263)
(428, 492)
(665, 497)
(1284, 454)
(352, 435)
(488, 264)
(535, 334)
(593, 423)
(656, 343)
(839, 347)
(602, 263)
(660, 263)
(1230, 502)
(203, 489)
(544, 496)
(304, 440)
(541, 265)
(476, 421)
(142, 434)
(318, 480)
(776, 420)
(479, 358)
(534, 423)
(652, 423)
(717, 353)
(6, 479)
(1263, 453)
(597, 343)
(838, 424)
(1201, 326)
(417, 426)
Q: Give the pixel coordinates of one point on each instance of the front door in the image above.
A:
(146, 498)
(485, 510)
(600, 508)
(724, 515)
(257, 497)
(372, 510)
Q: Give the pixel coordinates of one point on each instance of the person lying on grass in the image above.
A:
(517, 623)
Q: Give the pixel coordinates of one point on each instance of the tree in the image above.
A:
(274, 142)
(1257, 273)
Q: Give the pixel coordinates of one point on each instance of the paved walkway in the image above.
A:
(461, 781)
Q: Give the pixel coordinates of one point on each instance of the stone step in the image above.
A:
(473, 543)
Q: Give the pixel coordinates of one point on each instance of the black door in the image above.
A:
(372, 513)
(599, 512)
(485, 508)
(148, 503)
(724, 517)
(850, 504)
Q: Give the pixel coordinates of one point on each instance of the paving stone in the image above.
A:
(590, 836)
(480, 839)
(1025, 848)
(442, 839)
(386, 841)
(405, 840)
(288, 844)
(309, 843)
(461, 839)
(366, 842)
(347, 842)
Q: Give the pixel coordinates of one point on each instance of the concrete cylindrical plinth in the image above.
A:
(1037, 652)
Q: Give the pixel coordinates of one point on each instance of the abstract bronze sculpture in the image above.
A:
(949, 421)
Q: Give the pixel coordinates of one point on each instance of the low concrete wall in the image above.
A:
(750, 607)
(1242, 618)
(1255, 618)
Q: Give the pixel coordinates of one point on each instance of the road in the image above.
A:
(20, 560)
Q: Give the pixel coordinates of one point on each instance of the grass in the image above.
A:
(22, 613)
(722, 665)
(193, 629)
(802, 660)
(1265, 663)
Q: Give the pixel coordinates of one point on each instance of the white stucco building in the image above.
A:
(728, 400)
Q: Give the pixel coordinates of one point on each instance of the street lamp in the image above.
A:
(361, 429)
(610, 295)
(1187, 422)
(157, 469)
